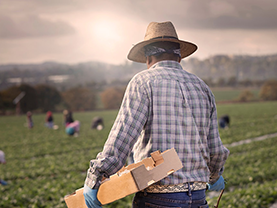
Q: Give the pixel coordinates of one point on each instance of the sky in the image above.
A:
(74, 31)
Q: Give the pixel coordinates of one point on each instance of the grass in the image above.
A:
(251, 176)
(231, 94)
(248, 120)
(44, 165)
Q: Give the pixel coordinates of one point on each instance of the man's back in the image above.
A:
(165, 107)
(179, 115)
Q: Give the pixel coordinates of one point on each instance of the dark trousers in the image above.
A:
(189, 199)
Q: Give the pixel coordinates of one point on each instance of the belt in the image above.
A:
(183, 187)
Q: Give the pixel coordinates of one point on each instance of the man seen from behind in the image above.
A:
(164, 107)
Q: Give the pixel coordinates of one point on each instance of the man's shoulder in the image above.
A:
(145, 75)
(194, 79)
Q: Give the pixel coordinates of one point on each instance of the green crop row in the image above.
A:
(251, 176)
(44, 165)
(256, 163)
(248, 120)
(254, 195)
(230, 94)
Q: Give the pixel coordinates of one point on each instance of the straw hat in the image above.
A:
(157, 32)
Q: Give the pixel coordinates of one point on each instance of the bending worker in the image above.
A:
(164, 107)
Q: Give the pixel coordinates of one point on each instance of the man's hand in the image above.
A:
(218, 185)
(91, 197)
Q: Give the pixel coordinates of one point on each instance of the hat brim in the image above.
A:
(137, 52)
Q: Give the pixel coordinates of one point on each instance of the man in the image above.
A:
(164, 107)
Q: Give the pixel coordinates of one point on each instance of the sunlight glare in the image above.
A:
(105, 30)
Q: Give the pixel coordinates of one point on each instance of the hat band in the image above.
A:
(153, 50)
(170, 37)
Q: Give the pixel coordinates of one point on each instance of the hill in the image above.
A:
(239, 68)
(257, 68)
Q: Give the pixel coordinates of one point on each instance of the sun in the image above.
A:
(105, 30)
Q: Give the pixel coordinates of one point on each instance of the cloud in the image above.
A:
(81, 30)
(32, 26)
(213, 14)
(234, 15)
(196, 14)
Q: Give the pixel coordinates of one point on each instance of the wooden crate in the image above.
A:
(133, 178)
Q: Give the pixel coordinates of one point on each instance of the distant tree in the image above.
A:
(27, 103)
(258, 83)
(7, 98)
(269, 90)
(232, 81)
(48, 97)
(221, 82)
(1, 102)
(246, 96)
(246, 83)
(80, 98)
(209, 82)
(112, 97)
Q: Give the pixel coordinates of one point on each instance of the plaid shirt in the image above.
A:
(165, 107)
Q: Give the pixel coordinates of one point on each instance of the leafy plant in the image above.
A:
(44, 165)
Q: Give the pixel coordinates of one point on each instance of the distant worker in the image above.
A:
(73, 128)
(65, 112)
(30, 120)
(49, 120)
(164, 107)
(224, 121)
(97, 123)
(2, 161)
(68, 118)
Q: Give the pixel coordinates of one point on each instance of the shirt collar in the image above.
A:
(167, 64)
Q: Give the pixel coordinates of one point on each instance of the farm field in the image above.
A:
(44, 165)
(229, 94)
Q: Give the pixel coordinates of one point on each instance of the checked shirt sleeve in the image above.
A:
(127, 127)
(218, 153)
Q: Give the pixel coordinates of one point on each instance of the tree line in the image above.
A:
(43, 98)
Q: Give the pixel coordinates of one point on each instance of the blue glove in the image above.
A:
(2, 182)
(218, 185)
(91, 197)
